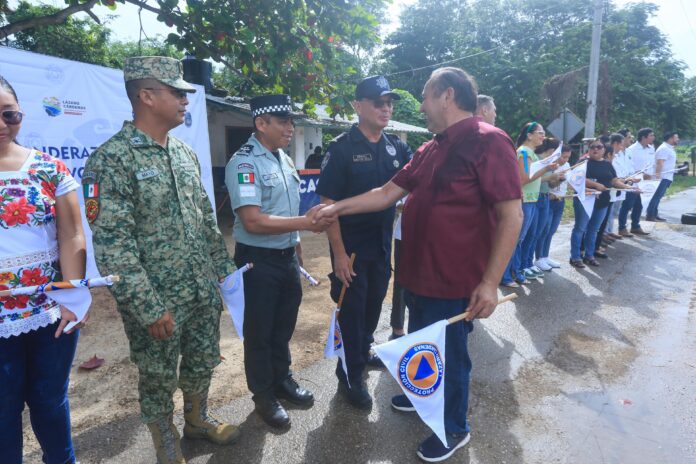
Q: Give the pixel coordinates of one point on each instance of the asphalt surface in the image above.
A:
(590, 366)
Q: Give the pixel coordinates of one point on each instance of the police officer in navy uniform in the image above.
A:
(355, 162)
(265, 193)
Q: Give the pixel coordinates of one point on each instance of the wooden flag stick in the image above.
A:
(464, 315)
(343, 290)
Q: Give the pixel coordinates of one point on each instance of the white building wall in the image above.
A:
(218, 121)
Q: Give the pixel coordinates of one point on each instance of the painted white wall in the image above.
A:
(218, 121)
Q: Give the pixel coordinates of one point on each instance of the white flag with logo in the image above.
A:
(542, 163)
(334, 342)
(576, 179)
(232, 290)
(417, 362)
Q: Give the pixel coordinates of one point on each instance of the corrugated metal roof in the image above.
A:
(322, 120)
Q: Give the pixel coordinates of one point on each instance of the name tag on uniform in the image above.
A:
(364, 158)
(271, 176)
(146, 173)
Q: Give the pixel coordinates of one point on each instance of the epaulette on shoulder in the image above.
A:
(245, 150)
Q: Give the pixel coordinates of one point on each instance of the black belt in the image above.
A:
(285, 252)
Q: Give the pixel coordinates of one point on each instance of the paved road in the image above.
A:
(592, 366)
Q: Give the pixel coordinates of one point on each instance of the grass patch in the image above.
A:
(681, 183)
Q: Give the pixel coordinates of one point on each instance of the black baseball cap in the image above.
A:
(374, 87)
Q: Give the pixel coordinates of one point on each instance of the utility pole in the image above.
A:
(594, 71)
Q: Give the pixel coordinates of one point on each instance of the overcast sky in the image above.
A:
(675, 18)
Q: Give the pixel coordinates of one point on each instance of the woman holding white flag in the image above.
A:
(41, 240)
(547, 148)
(531, 136)
(600, 176)
(557, 192)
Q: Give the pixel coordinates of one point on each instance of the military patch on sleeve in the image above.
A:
(91, 194)
(247, 166)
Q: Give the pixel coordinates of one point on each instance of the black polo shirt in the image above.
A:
(353, 165)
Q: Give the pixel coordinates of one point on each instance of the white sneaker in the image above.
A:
(552, 263)
(541, 264)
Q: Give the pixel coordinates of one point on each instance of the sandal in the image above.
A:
(591, 261)
(577, 263)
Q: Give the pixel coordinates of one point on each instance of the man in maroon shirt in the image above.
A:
(459, 229)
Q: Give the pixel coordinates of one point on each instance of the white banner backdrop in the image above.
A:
(71, 108)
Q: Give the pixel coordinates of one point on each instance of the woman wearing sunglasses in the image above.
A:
(531, 136)
(600, 176)
(40, 227)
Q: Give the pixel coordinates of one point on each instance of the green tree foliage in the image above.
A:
(513, 47)
(407, 110)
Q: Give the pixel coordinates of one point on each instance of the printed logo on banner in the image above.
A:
(421, 370)
(188, 120)
(52, 106)
(54, 74)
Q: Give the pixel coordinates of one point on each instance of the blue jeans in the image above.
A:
(555, 214)
(631, 203)
(655, 201)
(34, 369)
(423, 311)
(585, 226)
(529, 242)
(515, 264)
(543, 222)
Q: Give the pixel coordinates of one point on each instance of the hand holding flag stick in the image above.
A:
(466, 314)
(334, 341)
(63, 285)
(343, 289)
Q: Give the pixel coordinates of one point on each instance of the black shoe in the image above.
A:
(272, 412)
(599, 254)
(291, 391)
(357, 395)
(659, 219)
(394, 336)
(373, 360)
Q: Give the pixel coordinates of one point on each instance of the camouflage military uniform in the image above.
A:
(153, 225)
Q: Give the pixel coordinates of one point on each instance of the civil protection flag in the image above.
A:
(542, 163)
(232, 291)
(334, 342)
(417, 362)
(576, 179)
(588, 204)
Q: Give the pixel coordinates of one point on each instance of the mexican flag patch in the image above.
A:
(91, 190)
(246, 178)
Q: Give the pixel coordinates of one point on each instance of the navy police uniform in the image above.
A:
(354, 165)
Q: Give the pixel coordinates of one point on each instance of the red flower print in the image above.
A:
(17, 212)
(31, 277)
(60, 167)
(48, 189)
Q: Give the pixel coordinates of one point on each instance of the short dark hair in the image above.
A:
(616, 137)
(549, 143)
(669, 135)
(134, 87)
(624, 131)
(465, 88)
(644, 132)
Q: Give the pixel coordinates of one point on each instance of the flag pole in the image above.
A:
(54, 286)
(343, 290)
(464, 315)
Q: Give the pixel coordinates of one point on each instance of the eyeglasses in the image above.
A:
(377, 104)
(596, 147)
(180, 94)
(540, 132)
(11, 117)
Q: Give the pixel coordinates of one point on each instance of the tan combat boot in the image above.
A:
(167, 441)
(200, 424)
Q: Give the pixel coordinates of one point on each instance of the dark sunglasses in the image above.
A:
(596, 147)
(176, 92)
(12, 117)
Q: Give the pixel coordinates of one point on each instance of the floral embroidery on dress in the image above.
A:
(28, 242)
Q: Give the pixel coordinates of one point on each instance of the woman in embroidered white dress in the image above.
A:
(40, 227)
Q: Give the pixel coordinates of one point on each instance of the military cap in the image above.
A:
(277, 105)
(374, 87)
(168, 71)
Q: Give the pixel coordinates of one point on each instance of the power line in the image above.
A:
(688, 21)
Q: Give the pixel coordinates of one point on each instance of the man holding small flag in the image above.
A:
(464, 207)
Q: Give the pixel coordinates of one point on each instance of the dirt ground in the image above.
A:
(110, 393)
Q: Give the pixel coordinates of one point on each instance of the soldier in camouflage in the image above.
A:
(153, 225)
